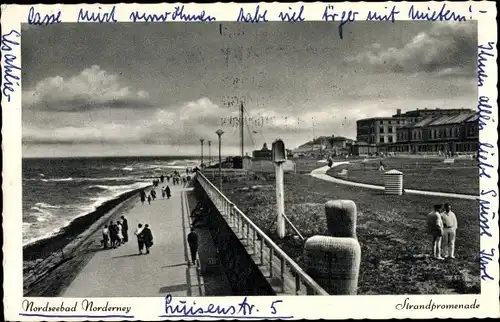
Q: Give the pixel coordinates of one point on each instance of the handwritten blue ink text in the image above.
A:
(9, 67)
(484, 111)
(256, 17)
(391, 16)
(177, 14)
(484, 53)
(484, 213)
(292, 16)
(84, 15)
(483, 155)
(484, 260)
(244, 309)
(432, 15)
(35, 18)
(345, 18)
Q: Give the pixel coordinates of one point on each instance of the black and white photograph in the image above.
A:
(240, 159)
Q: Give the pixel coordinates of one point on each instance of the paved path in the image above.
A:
(122, 272)
(320, 173)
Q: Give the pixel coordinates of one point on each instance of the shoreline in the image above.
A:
(44, 247)
(50, 264)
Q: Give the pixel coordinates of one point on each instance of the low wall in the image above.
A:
(243, 274)
(268, 166)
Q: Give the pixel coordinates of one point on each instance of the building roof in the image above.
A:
(425, 121)
(474, 118)
(421, 112)
(452, 119)
(386, 118)
(434, 120)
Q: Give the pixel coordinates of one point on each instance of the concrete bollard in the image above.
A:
(341, 218)
(333, 261)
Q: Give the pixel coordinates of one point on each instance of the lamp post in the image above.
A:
(219, 133)
(209, 153)
(201, 141)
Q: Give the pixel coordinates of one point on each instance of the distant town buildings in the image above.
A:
(266, 154)
(447, 131)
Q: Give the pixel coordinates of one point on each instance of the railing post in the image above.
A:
(271, 255)
(248, 231)
(282, 275)
(261, 250)
(297, 283)
(253, 240)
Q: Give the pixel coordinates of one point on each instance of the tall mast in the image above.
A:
(312, 145)
(242, 131)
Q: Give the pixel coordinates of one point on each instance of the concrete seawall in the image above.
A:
(44, 257)
(243, 274)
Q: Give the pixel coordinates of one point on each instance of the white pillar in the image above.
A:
(280, 199)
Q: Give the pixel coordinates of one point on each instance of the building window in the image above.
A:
(390, 139)
(381, 129)
(390, 129)
(382, 139)
(389, 122)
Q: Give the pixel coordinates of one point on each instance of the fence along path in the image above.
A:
(284, 274)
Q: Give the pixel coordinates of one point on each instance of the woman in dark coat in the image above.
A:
(167, 190)
(147, 236)
(143, 196)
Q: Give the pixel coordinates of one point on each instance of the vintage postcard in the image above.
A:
(250, 161)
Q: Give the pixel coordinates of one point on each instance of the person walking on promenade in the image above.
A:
(168, 192)
(143, 196)
(192, 240)
(435, 227)
(162, 178)
(119, 234)
(147, 236)
(105, 236)
(113, 234)
(450, 226)
(140, 239)
(149, 199)
(381, 166)
(125, 229)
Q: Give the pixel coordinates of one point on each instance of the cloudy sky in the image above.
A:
(156, 89)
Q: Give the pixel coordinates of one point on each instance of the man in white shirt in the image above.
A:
(435, 228)
(140, 237)
(450, 226)
(105, 236)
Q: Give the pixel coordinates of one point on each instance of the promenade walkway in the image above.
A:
(122, 272)
(320, 173)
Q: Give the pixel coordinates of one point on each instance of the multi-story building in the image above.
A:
(378, 130)
(382, 134)
(439, 134)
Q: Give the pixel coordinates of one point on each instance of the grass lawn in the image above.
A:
(391, 231)
(306, 165)
(421, 174)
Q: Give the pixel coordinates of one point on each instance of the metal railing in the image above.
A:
(237, 219)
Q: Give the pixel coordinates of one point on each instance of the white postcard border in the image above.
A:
(331, 307)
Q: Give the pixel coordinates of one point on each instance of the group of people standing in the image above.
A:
(442, 226)
(114, 235)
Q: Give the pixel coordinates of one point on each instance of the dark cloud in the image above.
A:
(445, 46)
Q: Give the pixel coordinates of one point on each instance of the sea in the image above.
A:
(57, 191)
